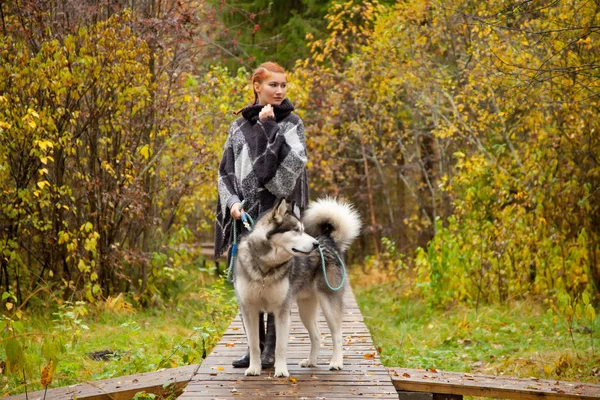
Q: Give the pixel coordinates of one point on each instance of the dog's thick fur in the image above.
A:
(277, 263)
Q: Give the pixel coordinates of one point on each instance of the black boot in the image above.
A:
(267, 358)
(244, 361)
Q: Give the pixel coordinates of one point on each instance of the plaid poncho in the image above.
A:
(262, 161)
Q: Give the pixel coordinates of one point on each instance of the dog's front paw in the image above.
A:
(307, 363)
(336, 365)
(253, 370)
(281, 372)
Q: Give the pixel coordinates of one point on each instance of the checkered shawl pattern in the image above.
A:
(262, 161)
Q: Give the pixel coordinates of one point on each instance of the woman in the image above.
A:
(264, 159)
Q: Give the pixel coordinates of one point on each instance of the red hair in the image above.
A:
(261, 73)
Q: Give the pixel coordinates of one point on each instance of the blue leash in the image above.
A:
(248, 223)
(325, 272)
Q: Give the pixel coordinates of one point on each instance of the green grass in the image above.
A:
(143, 340)
(517, 338)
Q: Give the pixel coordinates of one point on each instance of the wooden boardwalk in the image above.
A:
(493, 386)
(363, 375)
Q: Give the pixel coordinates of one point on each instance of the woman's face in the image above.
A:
(271, 90)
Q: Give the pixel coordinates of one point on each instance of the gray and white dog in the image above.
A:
(277, 263)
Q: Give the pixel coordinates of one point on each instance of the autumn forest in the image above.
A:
(465, 132)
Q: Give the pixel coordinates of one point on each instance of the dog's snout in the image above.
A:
(315, 244)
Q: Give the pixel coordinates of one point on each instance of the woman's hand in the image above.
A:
(236, 211)
(266, 112)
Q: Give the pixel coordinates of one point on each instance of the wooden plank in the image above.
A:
(208, 249)
(360, 372)
(363, 375)
(490, 385)
(121, 388)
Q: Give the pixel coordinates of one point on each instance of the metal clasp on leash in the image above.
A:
(245, 220)
(248, 222)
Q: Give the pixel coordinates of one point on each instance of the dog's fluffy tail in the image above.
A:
(338, 219)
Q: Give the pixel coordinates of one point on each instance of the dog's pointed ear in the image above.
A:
(294, 209)
(279, 210)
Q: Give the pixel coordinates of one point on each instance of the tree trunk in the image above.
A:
(374, 226)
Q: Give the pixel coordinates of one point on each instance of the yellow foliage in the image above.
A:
(487, 124)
